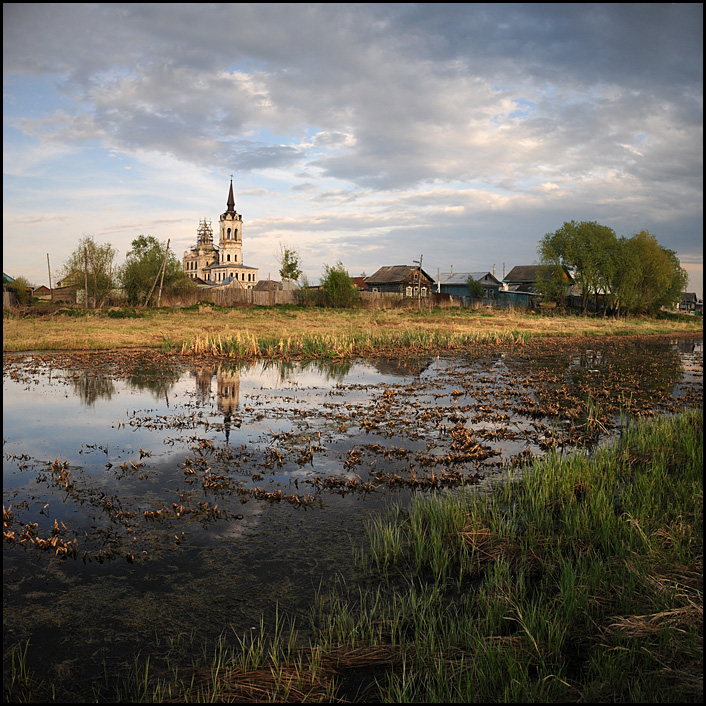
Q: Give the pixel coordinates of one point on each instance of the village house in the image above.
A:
(407, 280)
(520, 285)
(222, 265)
(455, 283)
(690, 303)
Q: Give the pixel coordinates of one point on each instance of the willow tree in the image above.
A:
(649, 276)
(587, 249)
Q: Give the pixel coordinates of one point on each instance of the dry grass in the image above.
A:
(318, 676)
(158, 327)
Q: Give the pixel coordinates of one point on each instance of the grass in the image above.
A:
(302, 331)
(583, 581)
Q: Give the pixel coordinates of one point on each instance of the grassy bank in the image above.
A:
(581, 582)
(301, 331)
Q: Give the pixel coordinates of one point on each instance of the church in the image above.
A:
(221, 265)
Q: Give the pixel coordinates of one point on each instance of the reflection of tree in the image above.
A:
(89, 387)
(203, 375)
(287, 369)
(157, 379)
(402, 367)
(643, 372)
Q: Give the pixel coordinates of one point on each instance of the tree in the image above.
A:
(290, 262)
(586, 249)
(658, 278)
(554, 284)
(143, 265)
(91, 266)
(21, 287)
(475, 288)
(339, 289)
(679, 280)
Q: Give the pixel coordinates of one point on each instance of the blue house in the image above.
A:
(454, 283)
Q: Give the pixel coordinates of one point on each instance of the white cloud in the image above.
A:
(468, 126)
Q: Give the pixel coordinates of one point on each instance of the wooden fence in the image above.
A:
(371, 300)
(249, 297)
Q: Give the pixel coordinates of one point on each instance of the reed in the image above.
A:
(337, 346)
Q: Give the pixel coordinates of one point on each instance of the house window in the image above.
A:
(408, 292)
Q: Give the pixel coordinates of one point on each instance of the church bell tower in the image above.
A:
(230, 244)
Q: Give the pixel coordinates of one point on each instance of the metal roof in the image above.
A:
(460, 278)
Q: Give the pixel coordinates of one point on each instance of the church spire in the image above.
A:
(231, 198)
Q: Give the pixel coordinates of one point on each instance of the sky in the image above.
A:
(369, 134)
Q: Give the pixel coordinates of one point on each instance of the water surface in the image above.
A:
(149, 497)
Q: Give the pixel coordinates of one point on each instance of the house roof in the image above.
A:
(393, 274)
(268, 285)
(360, 282)
(460, 278)
(521, 274)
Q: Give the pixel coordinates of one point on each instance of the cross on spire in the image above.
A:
(231, 198)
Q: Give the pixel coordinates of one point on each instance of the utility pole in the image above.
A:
(160, 273)
(164, 267)
(51, 289)
(419, 280)
(85, 278)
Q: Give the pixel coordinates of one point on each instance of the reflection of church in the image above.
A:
(228, 381)
(227, 389)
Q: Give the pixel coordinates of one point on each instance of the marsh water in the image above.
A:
(147, 498)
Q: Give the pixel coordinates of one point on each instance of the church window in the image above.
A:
(228, 258)
(228, 236)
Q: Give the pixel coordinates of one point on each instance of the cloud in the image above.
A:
(407, 120)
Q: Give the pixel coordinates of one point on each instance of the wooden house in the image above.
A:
(66, 294)
(520, 285)
(361, 283)
(407, 280)
(42, 292)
